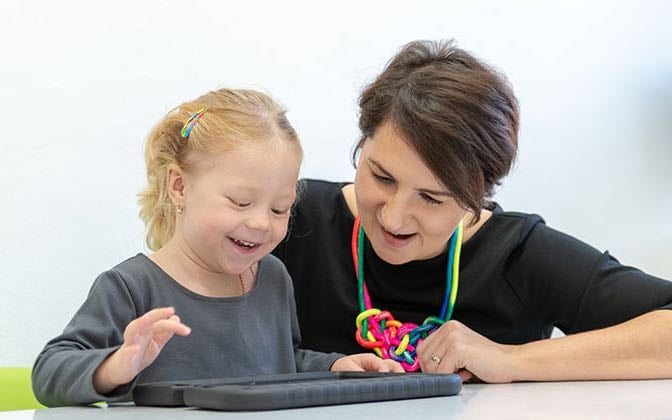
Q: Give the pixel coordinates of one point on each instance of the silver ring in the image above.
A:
(434, 358)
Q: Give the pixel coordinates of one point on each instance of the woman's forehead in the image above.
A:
(387, 151)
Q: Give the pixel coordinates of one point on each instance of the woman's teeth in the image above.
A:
(401, 235)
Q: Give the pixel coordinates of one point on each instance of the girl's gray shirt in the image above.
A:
(253, 334)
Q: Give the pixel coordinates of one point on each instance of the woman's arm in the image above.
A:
(617, 319)
(636, 349)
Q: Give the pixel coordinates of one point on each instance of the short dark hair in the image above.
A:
(458, 113)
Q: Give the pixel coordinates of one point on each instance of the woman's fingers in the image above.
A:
(455, 348)
(465, 375)
(438, 353)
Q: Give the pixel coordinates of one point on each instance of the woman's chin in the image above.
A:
(392, 255)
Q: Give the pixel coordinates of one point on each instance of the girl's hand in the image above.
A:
(366, 362)
(144, 338)
(455, 348)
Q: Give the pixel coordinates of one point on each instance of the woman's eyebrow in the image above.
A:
(380, 168)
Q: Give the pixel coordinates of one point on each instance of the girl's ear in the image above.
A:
(176, 185)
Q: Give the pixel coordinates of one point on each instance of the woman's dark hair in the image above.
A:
(459, 114)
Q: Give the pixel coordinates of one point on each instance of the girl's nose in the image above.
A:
(259, 220)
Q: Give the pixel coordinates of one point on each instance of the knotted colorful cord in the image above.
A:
(191, 122)
(378, 330)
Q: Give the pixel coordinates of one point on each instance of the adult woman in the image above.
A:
(439, 131)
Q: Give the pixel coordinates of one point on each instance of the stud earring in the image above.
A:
(179, 209)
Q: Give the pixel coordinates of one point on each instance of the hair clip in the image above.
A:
(191, 122)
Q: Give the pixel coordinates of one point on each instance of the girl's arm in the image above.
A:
(63, 373)
(144, 338)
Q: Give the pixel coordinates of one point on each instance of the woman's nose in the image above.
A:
(393, 214)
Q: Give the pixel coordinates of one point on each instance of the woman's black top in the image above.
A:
(518, 278)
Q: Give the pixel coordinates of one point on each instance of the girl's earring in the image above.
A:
(179, 209)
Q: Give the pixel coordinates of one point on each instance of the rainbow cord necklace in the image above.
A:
(378, 330)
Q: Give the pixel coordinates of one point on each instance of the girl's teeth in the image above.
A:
(243, 243)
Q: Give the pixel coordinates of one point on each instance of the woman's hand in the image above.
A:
(144, 338)
(454, 348)
(366, 362)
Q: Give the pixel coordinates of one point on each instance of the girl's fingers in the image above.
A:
(169, 325)
(135, 329)
(393, 366)
(384, 365)
(371, 362)
(146, 325)
(165, 329)
(159, 313)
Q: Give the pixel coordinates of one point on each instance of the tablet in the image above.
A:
(271, 392)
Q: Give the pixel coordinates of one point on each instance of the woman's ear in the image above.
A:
(176, 185)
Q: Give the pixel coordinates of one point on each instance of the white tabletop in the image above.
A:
(562, 400)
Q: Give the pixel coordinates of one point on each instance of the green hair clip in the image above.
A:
(191, 122)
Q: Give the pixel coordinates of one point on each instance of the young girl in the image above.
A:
(222, 174)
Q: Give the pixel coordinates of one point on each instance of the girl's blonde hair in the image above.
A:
(233, 118)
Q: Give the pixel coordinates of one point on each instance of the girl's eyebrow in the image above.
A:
(380, 168)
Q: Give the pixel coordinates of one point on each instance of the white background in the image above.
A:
(82, 82)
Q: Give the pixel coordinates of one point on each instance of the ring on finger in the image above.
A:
(434, 358)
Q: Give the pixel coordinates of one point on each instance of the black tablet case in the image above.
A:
(270, 392)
